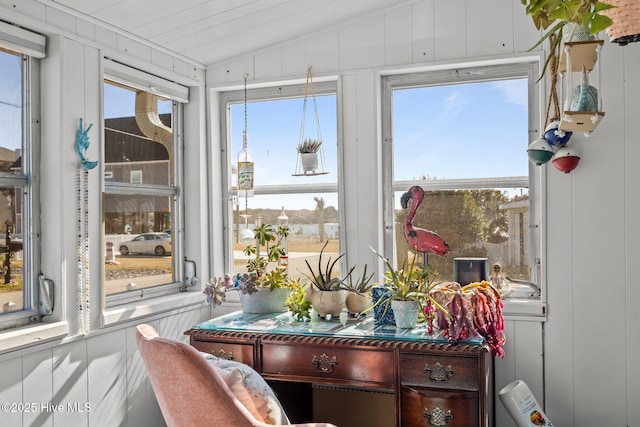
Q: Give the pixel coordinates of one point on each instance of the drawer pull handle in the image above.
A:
(324, 364)
(437, 417)
(438, 373)
(223, 354)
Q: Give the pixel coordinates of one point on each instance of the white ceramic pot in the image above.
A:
(357, 303)
(326, 302)
(265, 301)
(405, 313)
(309, 162)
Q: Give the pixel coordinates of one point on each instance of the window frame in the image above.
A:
(271, 93)
(28, 181)
(460, 74)
(117, 73)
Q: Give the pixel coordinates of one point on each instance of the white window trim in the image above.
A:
(269, 94)
(525, 310)
(31, 206)
(27, 329)
(142, 302)
(135, 177)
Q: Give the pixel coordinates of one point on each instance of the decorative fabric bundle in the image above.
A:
(472, 311)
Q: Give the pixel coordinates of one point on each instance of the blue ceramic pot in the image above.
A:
(381, 317)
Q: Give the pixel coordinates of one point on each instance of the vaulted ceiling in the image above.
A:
(212, 31)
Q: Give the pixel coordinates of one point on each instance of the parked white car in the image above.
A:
(147, 243)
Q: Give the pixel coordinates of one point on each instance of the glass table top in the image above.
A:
(344, 326)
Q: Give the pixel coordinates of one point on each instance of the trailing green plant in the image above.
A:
(257, 275)
(358, 284)
(297, 304)
(551, 16)
(309, 146)
(322, 279)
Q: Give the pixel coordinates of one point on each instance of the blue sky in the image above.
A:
(10, 101)
(121, 102)
(273, 133)
(453, 131)
(470, 130)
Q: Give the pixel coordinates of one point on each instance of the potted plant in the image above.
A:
(296, 302)
(405, 291)
(308, 151)
(325, 292)
(263, 290)
(553, 17)
(359, 291)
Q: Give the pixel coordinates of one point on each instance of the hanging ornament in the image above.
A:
(566, 159)
(245, 158)
(556, 136)
(310, 160)
(540, 151)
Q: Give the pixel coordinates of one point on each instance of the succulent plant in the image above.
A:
(309, 145)
(360, 284)
(322, 279)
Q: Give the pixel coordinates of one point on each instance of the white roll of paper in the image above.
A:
(523, 406)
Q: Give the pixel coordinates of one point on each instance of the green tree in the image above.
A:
(495, 219)
(454, 215)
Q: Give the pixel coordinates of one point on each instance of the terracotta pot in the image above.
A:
(265, 301)
(357, 303)
(326, 302)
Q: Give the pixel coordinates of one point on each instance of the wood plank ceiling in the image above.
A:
(213, 31)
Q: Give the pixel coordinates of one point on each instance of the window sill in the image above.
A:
(30, 335)
(132, 311)
(524, 309)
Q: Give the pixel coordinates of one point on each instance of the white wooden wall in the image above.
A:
(579, 364)
(582, 361)
(102, 369)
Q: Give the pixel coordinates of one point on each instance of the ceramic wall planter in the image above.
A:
(357, 303)
(405, 313)
(265, 301)
(326, 302)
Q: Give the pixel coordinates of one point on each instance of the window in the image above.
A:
(19, 145)
(309, 202)
(135, 177)
(462, 136)
(141, 139)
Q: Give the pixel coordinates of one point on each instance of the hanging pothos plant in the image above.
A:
(551, 16)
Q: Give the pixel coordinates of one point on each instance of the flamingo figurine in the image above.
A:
(419, 239)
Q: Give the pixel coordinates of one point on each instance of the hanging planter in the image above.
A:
(310, 160)
(308, 152)
(626, 21)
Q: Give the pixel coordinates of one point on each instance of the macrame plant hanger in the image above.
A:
(553, 95)
(310, 161)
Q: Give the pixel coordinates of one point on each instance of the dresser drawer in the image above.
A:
(239, 352)
(429, 407)
(340, 365)
(446, 371)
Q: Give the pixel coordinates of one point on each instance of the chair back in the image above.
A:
(189, 391)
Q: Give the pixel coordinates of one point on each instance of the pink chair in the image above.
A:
(189, 390)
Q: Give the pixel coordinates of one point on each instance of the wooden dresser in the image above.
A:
(434, 382)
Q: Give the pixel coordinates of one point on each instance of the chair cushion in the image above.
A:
(250, 389)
